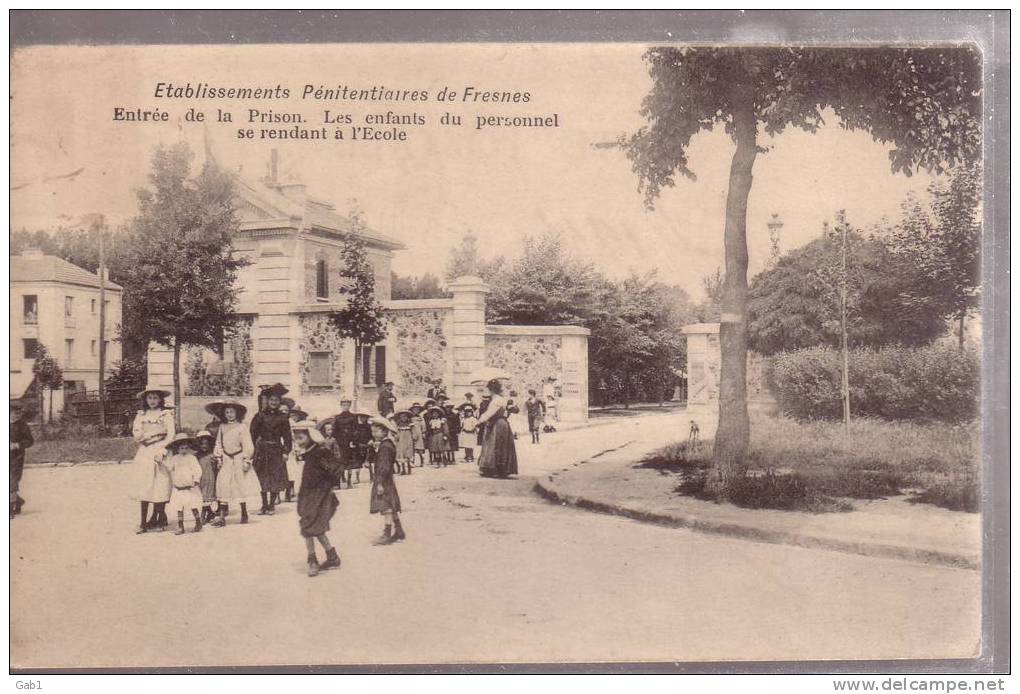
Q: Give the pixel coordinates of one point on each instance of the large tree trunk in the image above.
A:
(734, 432)
(177, 383)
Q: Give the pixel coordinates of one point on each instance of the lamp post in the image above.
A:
(98, 224)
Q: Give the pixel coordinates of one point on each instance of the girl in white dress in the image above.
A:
(153, 429)
(236, 481)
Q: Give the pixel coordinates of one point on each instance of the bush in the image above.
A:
(933, 383)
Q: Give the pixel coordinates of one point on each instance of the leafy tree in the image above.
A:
(128, 374)
(940, 247)
(361, 319)
(924, 101)
(411, 287)
(465, 259)
(545, 286)
(794, 305)
(48, 376)
(179, 274)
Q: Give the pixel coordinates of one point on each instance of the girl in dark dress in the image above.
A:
(316, 502)
(453, 431)
(385, 499)
(270, 432)
(499, 453)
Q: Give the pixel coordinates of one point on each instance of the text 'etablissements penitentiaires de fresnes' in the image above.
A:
(340, 112)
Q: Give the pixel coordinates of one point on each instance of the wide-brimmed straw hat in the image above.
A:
(181, 438)
(203, 434)
(386, 424)
(163, 393)
(309, 426)
(216, 409)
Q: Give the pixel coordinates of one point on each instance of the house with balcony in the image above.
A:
(56, 304)
(282, 332)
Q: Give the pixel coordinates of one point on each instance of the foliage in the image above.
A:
(795, 305)
(636, 346)
(180, 280)
(362, 318)
(465, 259)
(412, 287)
(815, 466)
(180, 272)
(47, 371)
(924, 101)
(933, 383)
(940, 248)
(128, 373)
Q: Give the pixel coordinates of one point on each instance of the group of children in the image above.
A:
(435, 427)
(232, 463)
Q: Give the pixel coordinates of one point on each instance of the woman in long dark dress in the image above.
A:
(270, 432)
(385, 499)
(499, 453)
(316, 503)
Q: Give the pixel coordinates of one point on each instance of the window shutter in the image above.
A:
(321, 280)
(319, 375)
(380, 365)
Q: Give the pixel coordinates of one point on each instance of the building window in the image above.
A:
(68, 352)
(31, 348)
(93, 348)
(320, 367)
(93, 307)
(31, 309)
(321, 279)
(373, 365)
(68, 306)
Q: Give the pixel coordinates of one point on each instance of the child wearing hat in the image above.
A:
(345, 426)
(185, 475)
(418, 432)
(21, 438)
(316, 503)
(452, 431)
(435, 423)
(205, 445)
(468, 425)
(153, 428)
(404, 442)
(385, 499)
(236, 482)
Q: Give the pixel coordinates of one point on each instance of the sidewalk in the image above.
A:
(891, 528)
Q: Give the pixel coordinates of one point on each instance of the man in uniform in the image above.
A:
(345, 427)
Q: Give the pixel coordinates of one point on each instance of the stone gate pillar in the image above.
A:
(468, 338)
(703, 359)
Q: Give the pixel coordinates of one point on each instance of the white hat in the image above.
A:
(308, 425)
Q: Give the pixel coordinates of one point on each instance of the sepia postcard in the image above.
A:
(495, 352)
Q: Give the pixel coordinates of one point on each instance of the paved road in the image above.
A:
(490, 573)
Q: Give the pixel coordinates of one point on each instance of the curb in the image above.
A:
(747, 532)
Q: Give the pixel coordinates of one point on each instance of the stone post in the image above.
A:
(703, 359)
(468, 337)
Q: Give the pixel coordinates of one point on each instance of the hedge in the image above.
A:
(933, 383)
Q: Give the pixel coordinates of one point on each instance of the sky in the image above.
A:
(427, 192)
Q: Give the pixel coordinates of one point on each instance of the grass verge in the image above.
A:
(817, 466)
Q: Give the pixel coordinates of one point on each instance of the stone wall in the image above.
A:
(530, 359)
(234, 375)
(422, 344)
(319, 335)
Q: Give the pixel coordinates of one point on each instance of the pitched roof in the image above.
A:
(38, 267)
(290, 202)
